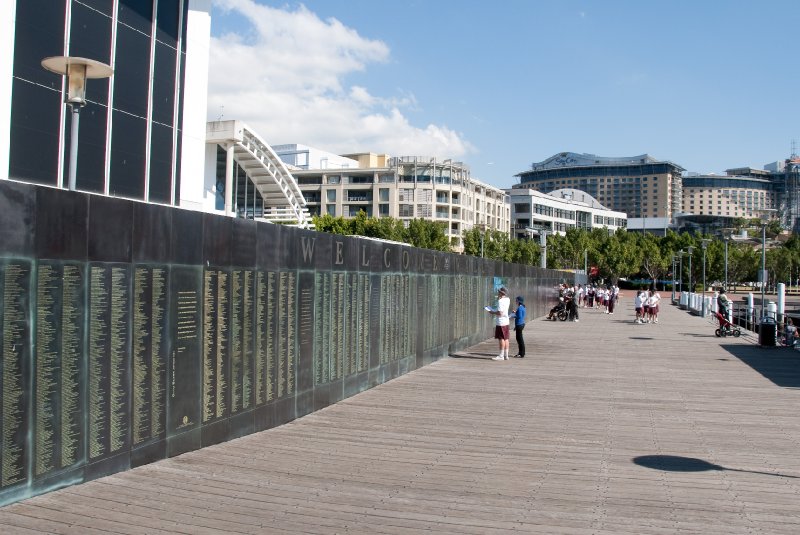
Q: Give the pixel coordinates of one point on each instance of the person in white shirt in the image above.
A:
(501, 322)
(655, 299)
(637, 305)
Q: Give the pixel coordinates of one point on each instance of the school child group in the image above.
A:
(593, 296)
(646, 305)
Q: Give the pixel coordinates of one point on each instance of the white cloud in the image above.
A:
(284, 74)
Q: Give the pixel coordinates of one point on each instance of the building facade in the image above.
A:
(135, 141)
(556, 212)
(731, 196)
(405, 188)
(640, 186)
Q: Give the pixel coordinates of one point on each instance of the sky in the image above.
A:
(707, 84)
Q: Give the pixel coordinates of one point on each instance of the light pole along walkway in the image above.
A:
(606, 427)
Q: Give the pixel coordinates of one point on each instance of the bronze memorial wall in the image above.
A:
(132, 332)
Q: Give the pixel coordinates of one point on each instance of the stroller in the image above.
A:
(726, 328)
(559, 311)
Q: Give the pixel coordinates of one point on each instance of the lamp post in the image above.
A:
(673, 278)
(690, 250)
(680, 272)
(77, 71)
(704, 244)
(727, 239)
(763, 264)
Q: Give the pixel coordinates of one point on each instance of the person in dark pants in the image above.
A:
(519, 324)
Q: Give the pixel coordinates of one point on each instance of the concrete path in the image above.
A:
(607, 427)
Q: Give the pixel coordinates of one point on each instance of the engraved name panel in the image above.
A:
(15, 279)
(108, 358)
(59, 347)
(216, 343)
(149, 353)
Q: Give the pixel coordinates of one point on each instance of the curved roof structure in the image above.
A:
(573, 159)
(283, 200)
(577, 195)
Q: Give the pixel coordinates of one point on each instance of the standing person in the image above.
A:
(655, 299)
(501, 322)
(637, 305)
(519, 324)
(645, 306)
(590, 296)
(569, 301)
(610, 299)
(723, 303)
(790, 333)
(576, 299)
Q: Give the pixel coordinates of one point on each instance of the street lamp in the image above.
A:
(542, 232)
(727, 239)
(674, 258)
(680, 273)
(704, 244)
(77, 71)
(690, 250)
(763, 264)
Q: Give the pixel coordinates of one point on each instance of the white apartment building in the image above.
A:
(559, 210)
(405, 188)
(728, 195)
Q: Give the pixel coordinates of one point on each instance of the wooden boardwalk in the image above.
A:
(606, 427)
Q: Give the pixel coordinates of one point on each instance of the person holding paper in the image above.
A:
(501, 322)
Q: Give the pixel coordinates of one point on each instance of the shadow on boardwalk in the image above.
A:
(781, 365)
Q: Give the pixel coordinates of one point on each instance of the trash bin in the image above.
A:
(768, 332)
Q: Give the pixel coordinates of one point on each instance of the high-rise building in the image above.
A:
(135, 140)
(640, 186)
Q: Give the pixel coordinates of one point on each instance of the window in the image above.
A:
(522, 208)
(384, 194)
(424, 195)
(353, 211)
(331, 195)
(406, 210)
(359, 195)
(383, 210)
(331, 210)
(334, 179)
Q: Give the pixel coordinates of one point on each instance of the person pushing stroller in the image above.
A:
(723, 307)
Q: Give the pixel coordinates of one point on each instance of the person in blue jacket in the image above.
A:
(519, 324)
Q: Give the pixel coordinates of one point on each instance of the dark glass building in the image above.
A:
(132, 129)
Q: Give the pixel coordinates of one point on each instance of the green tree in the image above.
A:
(332, 225)
(620, 256)
(524, 252)
(654, 262)
(427, 235)
(472, 241)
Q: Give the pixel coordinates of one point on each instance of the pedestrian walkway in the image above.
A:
(606, 427)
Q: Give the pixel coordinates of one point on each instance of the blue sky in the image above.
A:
(709, 85)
